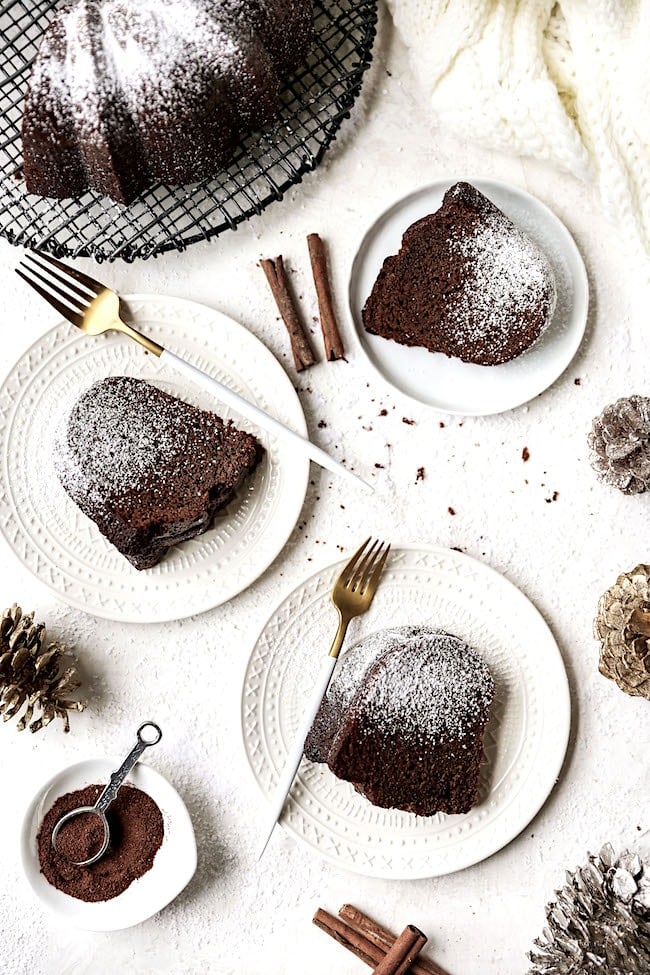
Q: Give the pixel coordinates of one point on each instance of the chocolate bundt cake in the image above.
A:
(403, 720)
(466, 282)
(123, 94)
(150, 470)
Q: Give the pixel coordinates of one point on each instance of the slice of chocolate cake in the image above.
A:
(403, 720)
(150, 470)
(466, 282)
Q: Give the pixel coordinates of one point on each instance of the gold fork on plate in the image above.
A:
(93, 308)
(354, 591)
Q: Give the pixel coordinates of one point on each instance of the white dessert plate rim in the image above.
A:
(68, 554)
(327, 815)
(449, 385)
(173, 867)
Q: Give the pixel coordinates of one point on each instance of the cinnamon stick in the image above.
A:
(383, 938)
(303, 356)
(349, 938)
(404, 951)
(328, 324)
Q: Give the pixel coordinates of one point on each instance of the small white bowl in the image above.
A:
(173, 866)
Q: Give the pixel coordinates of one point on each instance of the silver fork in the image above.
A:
(93, 308)
(352, 595)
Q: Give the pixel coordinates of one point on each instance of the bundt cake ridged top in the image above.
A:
(143, 49)
(123, 94)
(416, 681)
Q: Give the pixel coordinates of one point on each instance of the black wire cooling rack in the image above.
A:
(315, 101)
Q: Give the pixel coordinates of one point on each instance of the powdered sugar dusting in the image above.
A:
(422, 683)
(117, 438)
(117, 54)
(508, 277)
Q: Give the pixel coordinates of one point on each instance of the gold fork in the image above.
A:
(93, 308)
(354, 591)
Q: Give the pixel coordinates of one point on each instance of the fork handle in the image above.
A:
(337, 642)
(296, 751)
(258, 416)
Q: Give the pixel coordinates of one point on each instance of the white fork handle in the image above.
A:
(258, 416)
(295, 754)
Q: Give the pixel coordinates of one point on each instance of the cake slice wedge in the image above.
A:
(404, 718)
(149, 469)
(466, 282)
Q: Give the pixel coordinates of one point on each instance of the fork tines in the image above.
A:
(61, 285)
(365, 566)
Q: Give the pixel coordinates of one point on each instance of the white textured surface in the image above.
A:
(237, 916)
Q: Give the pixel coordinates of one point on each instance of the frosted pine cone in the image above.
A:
(623, 628)
(620, 444)
(35, 678)
(600, 922)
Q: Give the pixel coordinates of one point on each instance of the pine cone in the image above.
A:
(620, 444)
(623, 628)
(34, 675)
(600, 922)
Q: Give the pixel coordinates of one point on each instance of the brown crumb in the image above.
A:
(408, 422)
(451, 511)
(441, 425)
(322, 424)
(420, 475)
(383, 413)
(525, 454)
(577, 382)
(379, 466)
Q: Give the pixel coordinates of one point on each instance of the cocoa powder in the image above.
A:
(136, 833)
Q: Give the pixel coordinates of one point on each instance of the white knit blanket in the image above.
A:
(566, 82)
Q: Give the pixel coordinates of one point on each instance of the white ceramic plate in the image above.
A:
(525, 740)
(173, 867)
(63, 548)
(450, 385)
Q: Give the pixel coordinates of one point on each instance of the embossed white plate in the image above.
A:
(525, 741)
(459, 387)
(63, 548)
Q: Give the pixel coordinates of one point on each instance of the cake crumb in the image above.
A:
(383, 412)
(379, 466)
(451, 510)
(441, 425)
(577, 381)
(420, 475)
(322, 424)
(525, 454)
(408, 421)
